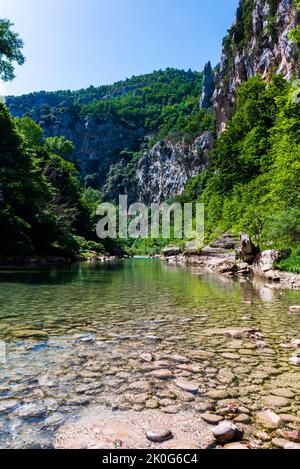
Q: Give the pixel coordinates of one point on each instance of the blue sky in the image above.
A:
(71, 44)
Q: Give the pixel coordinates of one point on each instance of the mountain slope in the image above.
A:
(103, 122)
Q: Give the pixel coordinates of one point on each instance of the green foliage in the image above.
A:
(291, 263)
(294, 35)
(24, 193)
(60, 146)
(31, 133)
(165, 103)
(10, 50)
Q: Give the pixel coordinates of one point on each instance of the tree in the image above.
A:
(60, 146)
(30, 131)
(10, 50)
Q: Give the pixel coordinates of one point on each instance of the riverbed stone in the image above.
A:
(235, 445)
(164, 374)
(187, 386)
(242, 418)
(217, 394)
(279, 442)
(31, 411)
(268, 419)
(283, 392)
(225, 376)
(226, 432)
(159, 435)
(275, 401)
(289, 418)
(29, 334)
(294, 309)
(139, 386)
(8, 404)
(294, 360)
(292, 446)
(296, 342)
(292, 435)
(231, 356)
(195, 369)
(179, 358)
(147, 357)
(212, 419)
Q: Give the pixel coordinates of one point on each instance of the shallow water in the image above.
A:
(74, 336)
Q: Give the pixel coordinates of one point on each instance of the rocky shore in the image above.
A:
(225, 256)
(50, 260)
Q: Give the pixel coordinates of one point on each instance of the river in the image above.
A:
(74, 336)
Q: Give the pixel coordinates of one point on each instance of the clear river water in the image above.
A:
(74, 336)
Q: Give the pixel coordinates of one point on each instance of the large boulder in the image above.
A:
(265, 260)
(171, 251)
(248, 250)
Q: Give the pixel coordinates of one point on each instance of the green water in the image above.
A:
(74, 336)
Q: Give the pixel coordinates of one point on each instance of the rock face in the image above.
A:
(257, 43)
(164, 171)
(208, 87)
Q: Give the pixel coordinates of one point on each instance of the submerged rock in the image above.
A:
(294, 360)
(226, 432)
(147, 357)
(294, 309)
(236, 445)
(275, 401)
(161, 374)
(211, 418)
(187, 386)
(268, 419)
(159, 435)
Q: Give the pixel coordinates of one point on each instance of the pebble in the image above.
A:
(159, 436)
(29, 333)
(295, 360)
(269, 419)
(275, 401)
(283, 393)
(217, 394)
(190, 368)
(242, 418)
(180, 358)
(235, 446)
(292, 446)
(293, 435)
(226, 432)
(8, 404)
(288, 418)
(211, 418)
(264, 436)
(295, 309)
(161, 374)
(279, 442)
(230, 356)
(296, 343)
(31, 411)
(147, 357)
(187, 386)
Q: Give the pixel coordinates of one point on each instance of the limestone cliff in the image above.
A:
(257, 43)
(164, 170)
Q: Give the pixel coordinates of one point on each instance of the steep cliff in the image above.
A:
(257, 43)
(164, 170)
